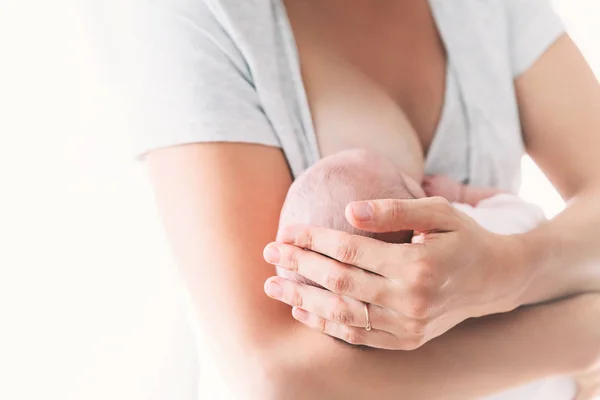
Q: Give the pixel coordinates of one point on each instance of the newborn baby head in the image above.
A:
(320, 195)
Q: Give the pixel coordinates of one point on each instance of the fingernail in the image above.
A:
(362, 211)
(299, 314)
(272, 254)
(274, 289)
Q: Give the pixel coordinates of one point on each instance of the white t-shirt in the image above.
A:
(228, 71)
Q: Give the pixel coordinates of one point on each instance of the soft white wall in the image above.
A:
(581, 18)
(88, 297)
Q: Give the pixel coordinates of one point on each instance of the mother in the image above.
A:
(258, 90)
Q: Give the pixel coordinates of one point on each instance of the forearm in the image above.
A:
(562, 256)
(477, 358)
(559, 99)
(217, 240)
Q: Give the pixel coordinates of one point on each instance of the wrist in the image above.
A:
(536, 249)
(514, 258)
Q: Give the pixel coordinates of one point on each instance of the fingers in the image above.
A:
(425, 215)
(413, 290)
(353, 335)
(327, 305)
(362, 252)
(334, 314)
(331, 274)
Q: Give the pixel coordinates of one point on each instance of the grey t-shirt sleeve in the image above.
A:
(187, 80)
(533, 27)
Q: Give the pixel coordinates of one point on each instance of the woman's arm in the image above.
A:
(220, 203)
(478, 358)
(559, 102)
(456, 270)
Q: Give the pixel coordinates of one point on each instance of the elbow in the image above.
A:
(268, 379)
(285, 369)
(269, 386)
(587, 347)
(282, 380)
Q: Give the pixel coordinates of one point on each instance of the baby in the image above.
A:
(319, 197)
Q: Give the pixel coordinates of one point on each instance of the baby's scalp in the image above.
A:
(320, 195)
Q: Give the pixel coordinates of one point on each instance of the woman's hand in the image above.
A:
(453, 270)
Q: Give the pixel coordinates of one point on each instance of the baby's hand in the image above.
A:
(454, 192)
(440, 185)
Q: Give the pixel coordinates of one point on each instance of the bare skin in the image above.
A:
(218, 239)
(266, 354)
(531, 265)
(381, 71)
(558, 100)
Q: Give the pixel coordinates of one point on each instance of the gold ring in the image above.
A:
(368, 327)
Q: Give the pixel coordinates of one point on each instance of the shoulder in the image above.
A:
(188, 78)
(532, 26)
(519, 30)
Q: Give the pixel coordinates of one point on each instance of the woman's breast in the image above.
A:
(349, 110)
(373, 78)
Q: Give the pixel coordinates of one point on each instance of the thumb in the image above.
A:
(392, 215)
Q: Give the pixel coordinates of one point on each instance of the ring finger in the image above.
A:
(333, 275)
(325, 304)
(350, 334)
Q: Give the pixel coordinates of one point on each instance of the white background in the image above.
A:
(89, 300)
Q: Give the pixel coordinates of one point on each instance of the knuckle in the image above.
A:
(396, 210)
(441, 203)
(296, 299)
(377, 296)
(352, 336)
(339, 283)
(411, 344)
(415, 328)
(294, 261)
(322, 325)
(423, 274)
(305, 238)
(418, 305)
(346, 252)
(442, 206)
(341, 313)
